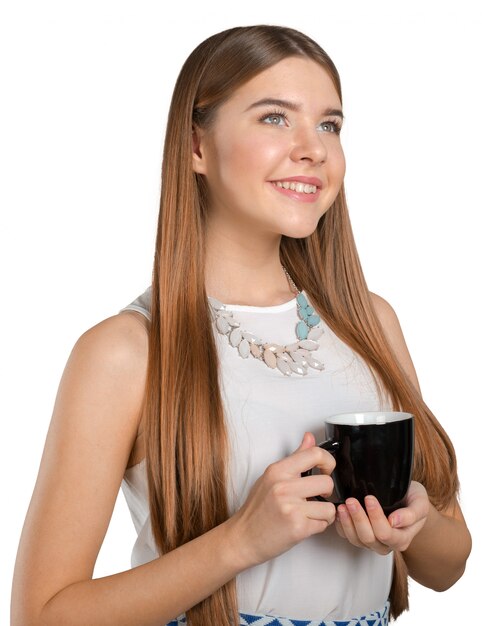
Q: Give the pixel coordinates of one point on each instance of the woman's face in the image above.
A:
(272, 158)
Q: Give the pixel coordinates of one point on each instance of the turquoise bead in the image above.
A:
(304, 314)
(302, 330)
(313, 320)
(310, 310)
(302, 301)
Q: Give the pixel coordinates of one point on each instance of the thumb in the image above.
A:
(307, 442)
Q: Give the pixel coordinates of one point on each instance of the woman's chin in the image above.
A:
(300, 231)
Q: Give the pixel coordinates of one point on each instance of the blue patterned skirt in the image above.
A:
(378, 618)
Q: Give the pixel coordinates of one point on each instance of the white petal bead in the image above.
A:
(235, 337)
(292, 347)
(255, 350)
(286, 356)
(296, 368)
(272, 347)
(315, 333)
(222, 325)
(252, 338)
(315, 363)
(308, 345)
(283, 366)
(269, 358)
(298, 356)
(216, 304)
(228, 316)
(243, 348)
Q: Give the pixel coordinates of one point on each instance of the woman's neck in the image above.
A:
(245, 272)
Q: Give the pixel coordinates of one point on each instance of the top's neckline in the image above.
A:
(276, 308)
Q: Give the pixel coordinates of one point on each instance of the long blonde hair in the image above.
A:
(186, 441)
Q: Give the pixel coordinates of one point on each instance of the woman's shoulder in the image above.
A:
(384, 311)
(112, 358)
(102, 389)
(393, 332)
(121, 338)
(388, 319)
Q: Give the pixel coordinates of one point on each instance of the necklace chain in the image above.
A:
(290, 280)
(295, 358)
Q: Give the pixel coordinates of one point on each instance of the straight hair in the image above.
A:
(185, 430)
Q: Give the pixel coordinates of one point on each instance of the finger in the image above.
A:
(398, 530)
(319, 510)
(361, 522)
(347, 527)
(363, 529)
(381, 526)
(338, 524)
(403, 518)
(315, 526)
(311, 486)
(415, 512)
(339, 527)
(305, 459)
(308, 441)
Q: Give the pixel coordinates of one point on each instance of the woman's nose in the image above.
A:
(309, 146)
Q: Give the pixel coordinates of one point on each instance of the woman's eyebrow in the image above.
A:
(292, 106)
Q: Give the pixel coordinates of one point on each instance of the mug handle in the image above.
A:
(331, 445)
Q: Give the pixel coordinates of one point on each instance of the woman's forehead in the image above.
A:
(293, 80)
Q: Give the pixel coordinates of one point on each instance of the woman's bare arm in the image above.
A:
(437, 555)
(94, 425)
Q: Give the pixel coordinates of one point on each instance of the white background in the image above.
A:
(85, 91)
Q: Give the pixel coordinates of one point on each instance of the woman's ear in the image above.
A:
(198, 156)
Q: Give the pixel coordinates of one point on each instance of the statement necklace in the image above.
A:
(295, 358)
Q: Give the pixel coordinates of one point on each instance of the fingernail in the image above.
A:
(395, 520)
(352, 506)
(370, 502)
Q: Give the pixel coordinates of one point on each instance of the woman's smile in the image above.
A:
(300, 188)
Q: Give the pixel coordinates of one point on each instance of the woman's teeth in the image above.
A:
(299, 187)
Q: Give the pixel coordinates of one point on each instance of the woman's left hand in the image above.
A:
(373, 530)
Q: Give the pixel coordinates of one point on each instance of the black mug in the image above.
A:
(374, 456)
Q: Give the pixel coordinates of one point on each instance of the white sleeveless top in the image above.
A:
(324, 576)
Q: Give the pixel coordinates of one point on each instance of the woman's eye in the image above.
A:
(275, 119)
(331, 127)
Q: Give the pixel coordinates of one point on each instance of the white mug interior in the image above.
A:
(368, 418)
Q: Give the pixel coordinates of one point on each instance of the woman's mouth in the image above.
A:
(298, 189)
(294, 186)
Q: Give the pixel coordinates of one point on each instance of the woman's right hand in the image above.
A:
(278, 513)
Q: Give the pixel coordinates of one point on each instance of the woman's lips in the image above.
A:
(307, 180)
(296, 195)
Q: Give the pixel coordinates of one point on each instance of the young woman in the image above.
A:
(203, 399)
